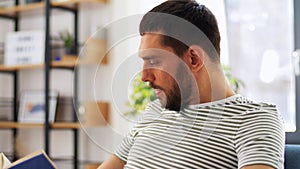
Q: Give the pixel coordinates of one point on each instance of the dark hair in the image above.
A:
(192, 12)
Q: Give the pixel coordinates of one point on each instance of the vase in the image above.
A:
(70, 51)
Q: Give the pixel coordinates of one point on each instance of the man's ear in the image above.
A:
(195, 58)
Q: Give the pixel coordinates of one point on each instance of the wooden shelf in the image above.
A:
(13, 11)
(56, 125)
(67, 61)
(61, 125)
(71, 4)
(5, 68)
(64, 125)
(92, 119)
(67, 3)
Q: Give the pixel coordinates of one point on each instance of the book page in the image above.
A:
(3, 161)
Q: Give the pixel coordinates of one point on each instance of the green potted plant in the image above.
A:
(68, 41)
(141, 95)
(234, 82)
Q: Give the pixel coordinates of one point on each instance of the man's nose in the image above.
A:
(147, 75)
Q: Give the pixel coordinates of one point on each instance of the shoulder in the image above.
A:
(261, 135)
(251, 107)
(261, 119)
(256, 115)
(262, 109)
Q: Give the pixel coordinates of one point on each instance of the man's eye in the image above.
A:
(153, 62)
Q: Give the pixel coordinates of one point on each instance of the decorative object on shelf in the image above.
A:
(141, 95)
(57, 47)
(32, 106)
(24, 47)
(68, 41)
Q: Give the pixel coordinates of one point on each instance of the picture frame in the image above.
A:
(32, 106)
(24, 47)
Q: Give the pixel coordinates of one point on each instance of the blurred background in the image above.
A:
(259, 39)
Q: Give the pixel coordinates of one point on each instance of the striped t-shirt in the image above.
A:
(225, 134)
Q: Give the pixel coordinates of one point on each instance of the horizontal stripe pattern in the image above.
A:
(230, 133)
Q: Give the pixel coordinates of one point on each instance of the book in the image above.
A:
(3, 161)
(35, 160)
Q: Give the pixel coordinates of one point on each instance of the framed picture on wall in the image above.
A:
(24, 47)
(32, 106)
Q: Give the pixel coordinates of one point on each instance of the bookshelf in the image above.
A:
(68, 62)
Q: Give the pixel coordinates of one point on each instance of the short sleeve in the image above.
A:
(123, 150)
(260, 138)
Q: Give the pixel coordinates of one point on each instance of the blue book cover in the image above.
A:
(36, 160)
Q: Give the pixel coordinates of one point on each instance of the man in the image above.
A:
(198, 122)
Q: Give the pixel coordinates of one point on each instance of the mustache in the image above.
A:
(154, 86)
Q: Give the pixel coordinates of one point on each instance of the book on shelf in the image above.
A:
(6, 109)
(35, 160)
(65, 109)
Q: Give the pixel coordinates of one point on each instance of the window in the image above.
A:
(294, 137)
(261, 43)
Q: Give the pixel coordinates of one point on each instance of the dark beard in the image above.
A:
(178, 99)
(174, 99)
(180, 96)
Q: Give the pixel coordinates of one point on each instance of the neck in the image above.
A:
(213, 86)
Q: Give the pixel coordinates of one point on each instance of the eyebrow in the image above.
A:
(148, 57)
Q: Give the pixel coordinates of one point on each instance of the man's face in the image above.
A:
(164, 71)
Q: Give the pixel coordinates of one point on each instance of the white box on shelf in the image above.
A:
(24, 47)
(6, 3)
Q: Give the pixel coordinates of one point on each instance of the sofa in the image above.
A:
(292, 156)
